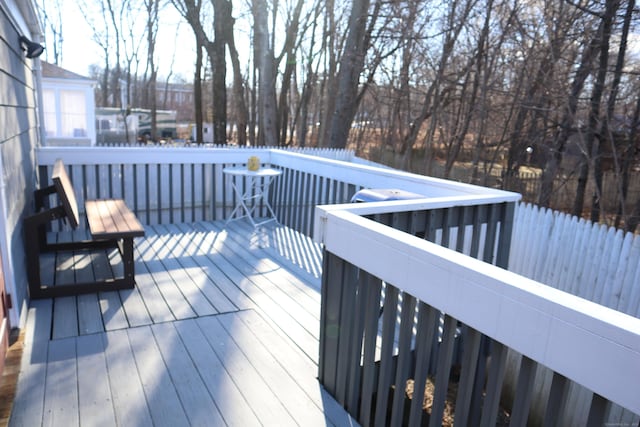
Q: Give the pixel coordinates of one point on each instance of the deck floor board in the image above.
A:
(235, 409)
(89, 314)
(162, 397)
(94, 393)
(129, 401)
(61, 390)
(256, 390)
(221, 329)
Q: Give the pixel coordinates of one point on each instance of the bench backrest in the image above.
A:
(65, 191)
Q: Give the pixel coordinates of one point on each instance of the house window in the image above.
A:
(49, 110)
(65, 113)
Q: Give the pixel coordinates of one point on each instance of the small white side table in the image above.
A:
(256, 190)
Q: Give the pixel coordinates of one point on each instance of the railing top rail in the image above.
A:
(378, 177)
(568, 334)
(148, 154)
(139, 153)
(396, 206)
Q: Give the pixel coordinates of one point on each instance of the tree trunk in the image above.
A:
(197, 93)
(289, 52)
(622, 169)
(219, 71)
(267, 108)
(242, 114)
(152, 28)
(603, 36)
(627, 161)
(327, 99)
(307, 90)
(562, 135)
(351, 65)
(115, 86)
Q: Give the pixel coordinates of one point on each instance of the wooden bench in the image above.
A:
(111, 225)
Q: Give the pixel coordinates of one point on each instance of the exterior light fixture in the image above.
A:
(33, 49)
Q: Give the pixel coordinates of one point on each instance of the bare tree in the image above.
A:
(53, 26)
(101, 36)
(115, 13)
(605, 132)
(197, 92)
(601, 41)
(151, 7)
(289, 53)
(623, 163)
(263, 51)
(242, 113)
(311, 71)
(217, 56)
(192, 11)
(565, 126)
(351, 66)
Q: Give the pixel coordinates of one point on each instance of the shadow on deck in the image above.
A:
(221, 329)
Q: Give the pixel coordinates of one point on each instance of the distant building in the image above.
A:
(176, 97)
(68, 107)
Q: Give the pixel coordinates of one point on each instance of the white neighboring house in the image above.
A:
(68, 107)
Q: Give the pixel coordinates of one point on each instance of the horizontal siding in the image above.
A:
(18, 138)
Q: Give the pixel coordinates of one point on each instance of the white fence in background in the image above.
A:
(592, 261)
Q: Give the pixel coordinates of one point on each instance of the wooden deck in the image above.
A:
(221, 329)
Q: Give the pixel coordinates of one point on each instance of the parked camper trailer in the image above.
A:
(113, 125)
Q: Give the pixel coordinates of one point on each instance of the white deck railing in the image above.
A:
(427, 286)
(165, 185)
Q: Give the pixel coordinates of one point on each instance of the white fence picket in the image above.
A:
(592, 261)
(632, 277)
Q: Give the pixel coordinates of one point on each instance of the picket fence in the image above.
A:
(592, 261)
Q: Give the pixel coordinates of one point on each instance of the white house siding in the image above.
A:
(19, 135)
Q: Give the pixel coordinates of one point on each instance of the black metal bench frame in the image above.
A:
(113, 235)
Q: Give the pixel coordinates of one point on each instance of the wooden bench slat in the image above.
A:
(66, 194)
(132, 221)
(128, 217)
(112, 219)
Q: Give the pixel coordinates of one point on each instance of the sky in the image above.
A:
(80, 51)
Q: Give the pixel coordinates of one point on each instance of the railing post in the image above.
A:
(331, 295)
(506, 231)
(372, 314)
(526, 380)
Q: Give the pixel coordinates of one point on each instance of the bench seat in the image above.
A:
(112, 219)
(111, 225)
